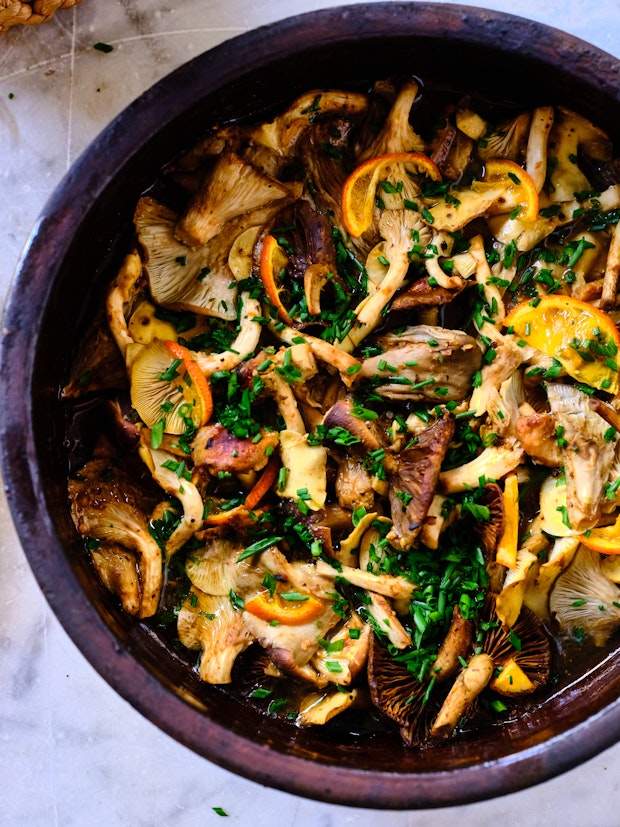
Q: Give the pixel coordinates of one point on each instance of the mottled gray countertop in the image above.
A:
(72, 752)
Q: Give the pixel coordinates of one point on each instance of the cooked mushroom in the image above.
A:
(177, 272)
(570, 134)
(424, 362)
(211, 624)
(232, 189)
(468, 685)
(411, 486)
(507, 140)
(175, 480)
(584, 601)
(537, 434)
(492, 464)
(536, 154)
(388, 585)
(106, 506)
(318, 709)
(342, 656)
(218, 450)
(397, 134)
(587, 453)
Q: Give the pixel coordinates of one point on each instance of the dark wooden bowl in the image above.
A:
(76, 247)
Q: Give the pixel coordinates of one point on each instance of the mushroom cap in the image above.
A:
(526, 643)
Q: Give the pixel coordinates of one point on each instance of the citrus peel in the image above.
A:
(273, 261)
(359, 190)
(283, 610)
(581, 337)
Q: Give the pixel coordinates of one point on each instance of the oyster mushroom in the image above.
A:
(108, 507)
(342, 657)
(121, 298)
(397, 134)
(212, 625)
(587, 453)
(571, 135)
(470, 682)
(492, 464)
(584, 599)
(386, 621)
(411, 486)
(177, 273)
(507, 140)
(536, 153)
(171, 474)
(232, 189)
(424, 362)
(388, 585)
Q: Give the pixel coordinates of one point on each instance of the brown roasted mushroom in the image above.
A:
(523, 654)
(411, 486)
(217, 450)
(404, 698)
(108, 507)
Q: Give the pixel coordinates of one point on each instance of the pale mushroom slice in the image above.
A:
(317, 709)
(470, 682)
(120, 300)
(343, 653)
(106, 507)
(212, 625)
(232, 189)
(388, 585)
(536, 153)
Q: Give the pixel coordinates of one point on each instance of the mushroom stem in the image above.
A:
(612, 271)
(466, 688)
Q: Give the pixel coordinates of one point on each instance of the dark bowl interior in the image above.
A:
(74, 251)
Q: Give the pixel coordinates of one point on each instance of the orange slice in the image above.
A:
(359, 190)
(289, 612)
(196, 388)
(519, 189)
(606, 540)
(273, 260)
(581, 337)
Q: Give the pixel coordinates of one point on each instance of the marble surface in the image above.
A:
(72, 752)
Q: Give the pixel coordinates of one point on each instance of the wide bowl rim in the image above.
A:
(45, 253)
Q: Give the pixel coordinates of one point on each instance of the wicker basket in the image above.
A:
(13, 12)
